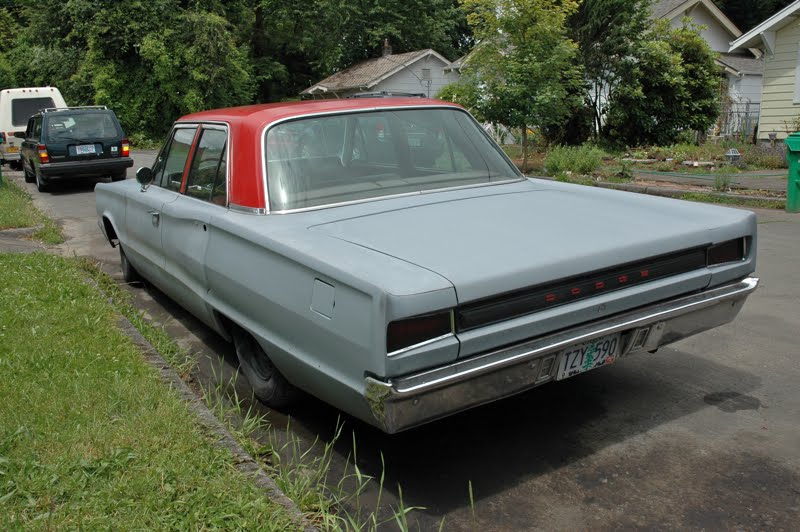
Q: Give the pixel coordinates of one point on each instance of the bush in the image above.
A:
(765, 156)
(581, 160)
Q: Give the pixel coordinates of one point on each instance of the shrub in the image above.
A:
(581, 160)
(765, 156)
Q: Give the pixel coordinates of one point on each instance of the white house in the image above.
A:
(742, 68)
(779, 37)
(421, 72)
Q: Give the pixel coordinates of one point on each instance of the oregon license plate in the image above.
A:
(84, 149)
(588, 355)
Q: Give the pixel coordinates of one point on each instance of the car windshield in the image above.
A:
(347, 157)
(81, 126)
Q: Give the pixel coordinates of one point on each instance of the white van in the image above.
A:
(16, 107)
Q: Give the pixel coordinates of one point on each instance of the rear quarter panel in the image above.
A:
(264, 280)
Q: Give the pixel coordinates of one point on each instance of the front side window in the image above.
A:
(207, 177)
(347, 157)
(171, 162)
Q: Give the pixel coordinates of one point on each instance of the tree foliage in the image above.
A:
(607, 33)
(155, 60)
(671, 85)
(521, 73)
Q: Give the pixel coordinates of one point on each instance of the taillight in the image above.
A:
(412, 331)
(44, 158)
(730, 251)
(126, 148)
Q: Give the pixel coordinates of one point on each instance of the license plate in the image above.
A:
(588, 355)
(84, 149)
(12, 149)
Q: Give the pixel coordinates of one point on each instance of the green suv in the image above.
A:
(69, 142)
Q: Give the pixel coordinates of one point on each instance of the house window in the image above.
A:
(426, 73)
(796, 99)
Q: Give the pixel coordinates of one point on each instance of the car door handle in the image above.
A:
(156, 217)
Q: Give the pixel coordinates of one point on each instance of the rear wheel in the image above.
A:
(15, 165)
(268, 384)
(41, 182)
(129, 273)
(29, 177)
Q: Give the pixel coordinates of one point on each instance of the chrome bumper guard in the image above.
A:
(404, 402)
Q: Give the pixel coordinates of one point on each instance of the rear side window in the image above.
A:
(168, 170)
(23, 108)
(207, 177)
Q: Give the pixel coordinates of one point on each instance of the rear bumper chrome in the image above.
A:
(404, 402)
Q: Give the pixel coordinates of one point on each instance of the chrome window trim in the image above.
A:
(394, 196)
(247, 210)
(270, 125)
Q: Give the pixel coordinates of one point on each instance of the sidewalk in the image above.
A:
(767, 180)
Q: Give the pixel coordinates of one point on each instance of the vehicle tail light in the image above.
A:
(405, 333)
(44, 158)
(126, 148)
(730, 251)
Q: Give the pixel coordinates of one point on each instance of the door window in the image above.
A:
(207, 177)
(171, 162)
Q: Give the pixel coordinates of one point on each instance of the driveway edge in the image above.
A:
(243, 461)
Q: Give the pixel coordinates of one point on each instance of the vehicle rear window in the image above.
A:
(81, 126)
(23, 108)
(347, 157)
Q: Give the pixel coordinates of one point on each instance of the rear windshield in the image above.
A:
(347, 157)
(23, 108)
(81, 126)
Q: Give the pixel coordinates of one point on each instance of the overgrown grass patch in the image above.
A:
(17, 211)
(582, 160)
(732, 200)
(89, 437)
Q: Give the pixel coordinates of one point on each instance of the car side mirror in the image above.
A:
(19, 134)
(144, 176)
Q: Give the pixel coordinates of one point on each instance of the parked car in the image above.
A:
(65, 143)
(16, 107)
(385, 256)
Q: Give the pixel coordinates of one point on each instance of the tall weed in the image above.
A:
(576, 159)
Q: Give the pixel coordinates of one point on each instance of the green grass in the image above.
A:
(582, 160)
(729, 200)
(89, 437)
(17, 211)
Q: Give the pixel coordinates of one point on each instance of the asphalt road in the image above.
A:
(704, 434)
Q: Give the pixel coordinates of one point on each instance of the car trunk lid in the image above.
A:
(496, 244)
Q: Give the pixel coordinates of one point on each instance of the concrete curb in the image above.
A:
(244, 463)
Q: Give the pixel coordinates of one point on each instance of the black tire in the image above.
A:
(29, 177)
(119, 176)
(129, 273)
(268, 384)
(41, 183)
(15, 165)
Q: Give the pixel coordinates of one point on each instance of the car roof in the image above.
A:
(257, 115)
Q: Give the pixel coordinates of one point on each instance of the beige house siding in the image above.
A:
(778, 109)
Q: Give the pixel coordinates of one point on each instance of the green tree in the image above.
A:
(522, 69)
(607, 33)
(671, 85)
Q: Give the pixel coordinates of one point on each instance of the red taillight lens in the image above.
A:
(405, 333)
(730, 251)
(44, 158)
(126, 148)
